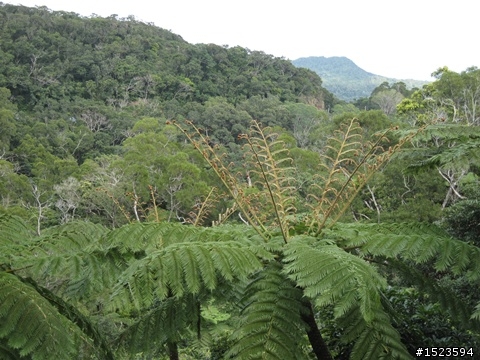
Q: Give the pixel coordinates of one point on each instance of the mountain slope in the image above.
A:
(345, 79)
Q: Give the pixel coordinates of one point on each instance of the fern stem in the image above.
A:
(223, 173)
(203, 207)
(349, 179)
(267, 184)
(172, 350)
(317, 342)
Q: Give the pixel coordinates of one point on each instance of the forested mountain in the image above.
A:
(51, 59)
(163, 200)
(345, 79)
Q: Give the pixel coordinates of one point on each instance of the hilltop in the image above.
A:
(345, 79)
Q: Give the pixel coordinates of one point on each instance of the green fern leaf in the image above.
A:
(30, 324)
(184, 268)
(165, 321)
(374, 340)
(271, 325)
(460, 312)
(416, 242)
(330, 275)
(14, 234)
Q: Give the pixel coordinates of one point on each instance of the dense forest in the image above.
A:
(163, 200)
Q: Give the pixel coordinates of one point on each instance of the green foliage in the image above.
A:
(33, 314)
(377, 339)
(461, 219)
(421, 322)
(341, 278)
(84, 138)
(23, 327)
(271, 325)
(183, 267)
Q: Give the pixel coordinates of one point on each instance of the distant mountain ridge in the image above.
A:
(342, 77)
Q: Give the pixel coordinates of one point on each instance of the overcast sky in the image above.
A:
(403, 39)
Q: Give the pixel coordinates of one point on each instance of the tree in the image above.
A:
(6, 120)
(387, 100)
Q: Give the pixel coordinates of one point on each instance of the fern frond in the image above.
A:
(267, 157)
(30, 324)
(14, 235)
(146, 237)
(476, 313)
(460, 312)
(71, 253)
(271, 325)
(417, 242)
(8, 353)
(76, 317)
(235, 189)
(446, 132)
(353, 165)
(165, 321)
(329, 275)
(344, 148)
(182, 268)
(373, 340)
(68, 253)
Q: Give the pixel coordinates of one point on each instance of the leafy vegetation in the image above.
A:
(167, 200)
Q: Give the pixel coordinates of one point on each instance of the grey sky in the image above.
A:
(400, 39)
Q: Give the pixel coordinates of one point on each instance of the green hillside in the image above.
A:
(345, 79)
(50, 59)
